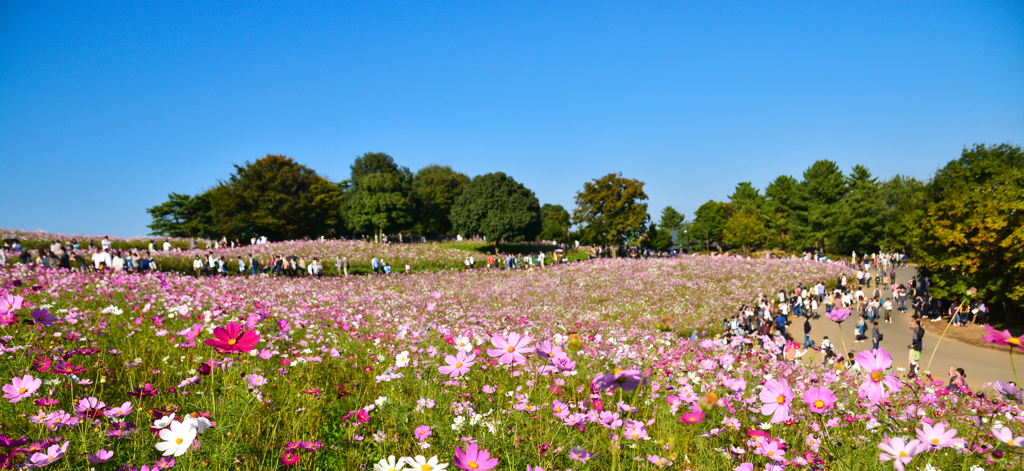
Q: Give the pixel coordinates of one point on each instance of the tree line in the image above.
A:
(964, 227)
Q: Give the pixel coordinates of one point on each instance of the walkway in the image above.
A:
(982, 365)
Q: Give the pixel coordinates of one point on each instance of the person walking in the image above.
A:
(876, 336)
(888, 310)
(807, 333)
(918, 331)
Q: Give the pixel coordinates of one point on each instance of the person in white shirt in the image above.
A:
(117, 263)
(167, 246)
(105, 243)
(241, 265)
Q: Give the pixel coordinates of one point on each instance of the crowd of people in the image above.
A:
(772, 318)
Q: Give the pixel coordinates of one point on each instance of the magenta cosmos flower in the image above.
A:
(21, 388)
(695, 416)
(777, 397)
(899, 451)
(458, 365)
(838, 315)
(1002, 338)
(474, 459)
(819, 399)
(231, 339)
(511, 350)
(937, 437)
(628, 380)
(875, 363)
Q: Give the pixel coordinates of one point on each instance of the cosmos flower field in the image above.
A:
(586, 366)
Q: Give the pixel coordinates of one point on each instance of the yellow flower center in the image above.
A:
(558, 409)
(473, 465)
(635, 435)
(458, 365)
(426, 467)
(819, 403)
(232, 342)
(22, 391)
(511, 349)
(9, 307)
(781, 400)
(876, 376)
(1013, 340)
(771, 453)
(935, 441)
(178, 441)
(1010, 442)
(903, 454)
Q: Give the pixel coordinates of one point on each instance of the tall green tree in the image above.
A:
(435, 189)
(747, 198)
(611, 210)
(556, 223)
(276, 197)
(781, 202)
(822, 190)
(906, 203)
(183, 216)
(671, 219)
(379, 202)
(497, 207)
(860, 225)
(973, 234)
(709, 221)
(744, 229)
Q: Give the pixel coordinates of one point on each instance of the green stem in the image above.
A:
(842, 339)
(1016, 381)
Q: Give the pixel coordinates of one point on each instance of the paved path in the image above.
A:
(982, 365)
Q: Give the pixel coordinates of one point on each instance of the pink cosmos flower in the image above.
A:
(231, 339)
(695, 416)
(21, 388)
(875, 363)
(511, 350)
(899, 451)
(745, 466)
(1005, 436)
(1002, 338)
(838, 315)
(474, 459)
(458, 365)
(101, 456)
(777, 397)
(634, 431)
(937, 437)
(819, 399)
(773, 451)
(53, 453)
(422, 432)
(10, 303)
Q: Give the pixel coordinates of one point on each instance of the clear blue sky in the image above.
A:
(106, 107)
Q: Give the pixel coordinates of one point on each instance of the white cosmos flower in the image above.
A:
(402, 359)
(176, 439)
(164, 421)
(389, 464)
(464, 344)
(421, 463)
(200, 424)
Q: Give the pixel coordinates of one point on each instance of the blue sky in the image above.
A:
(106, 107)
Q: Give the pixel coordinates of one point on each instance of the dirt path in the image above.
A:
(982, 365)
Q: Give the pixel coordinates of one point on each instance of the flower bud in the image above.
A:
(575, 343)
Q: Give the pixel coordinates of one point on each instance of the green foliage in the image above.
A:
(905, 202)
(497, 207)
(611, 210)
(555, 223)
(671, 219)
(657, 238)
(859, 222)
(973, 234)
(278, 198)
(183, 216)
(435, 189)
(822, 190)
(379, 202)
(709, 221)
(781, 198)
(744, 229)
(747, 199)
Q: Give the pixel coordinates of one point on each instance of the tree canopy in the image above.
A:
(709, 221)
(611, 210)
(435, 189)
(497, 207)
(555, 223)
